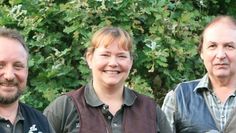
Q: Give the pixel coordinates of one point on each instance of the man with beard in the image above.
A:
(16, 117)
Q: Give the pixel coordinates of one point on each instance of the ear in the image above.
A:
(89, 57)
(131, 62)
(201, 55)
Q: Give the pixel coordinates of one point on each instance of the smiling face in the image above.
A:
(110, 66)
(13, 70)
(219, 50)
(109, 57)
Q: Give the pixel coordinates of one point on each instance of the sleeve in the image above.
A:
(51, 128)
(62, 115)
(162, 124)
(169, 108)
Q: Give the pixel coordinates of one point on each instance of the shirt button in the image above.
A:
(109, 117)
(115, 124)
(8, 125)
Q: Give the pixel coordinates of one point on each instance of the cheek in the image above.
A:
(208, 57)
(98, 64)
(127, 65)
(22, 76)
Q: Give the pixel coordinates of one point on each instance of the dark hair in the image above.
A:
(15, 35)
(230, 20)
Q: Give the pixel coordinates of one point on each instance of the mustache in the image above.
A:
(9, 82)
(221, 63)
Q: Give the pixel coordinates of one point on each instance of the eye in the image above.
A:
(122, 56)
(211, 46)
(19, 66)
(229, 46)
(1, 65)
(105, 55)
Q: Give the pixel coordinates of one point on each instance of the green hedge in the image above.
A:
(165, 33)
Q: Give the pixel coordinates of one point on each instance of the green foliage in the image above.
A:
(165, 32)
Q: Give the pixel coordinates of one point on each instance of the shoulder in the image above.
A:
(141, 96)
(61, 102)
(61, 112)
(163, 125)
(144, 102)
(31, 114)
(187, 86)
(29, 110)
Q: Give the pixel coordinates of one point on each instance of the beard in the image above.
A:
(9, 99)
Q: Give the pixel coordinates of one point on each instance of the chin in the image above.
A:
(222, 75)
(111, 83)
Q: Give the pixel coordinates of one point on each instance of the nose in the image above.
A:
(113, 62)
(9, 73)
(221, 54)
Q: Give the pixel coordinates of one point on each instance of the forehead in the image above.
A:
(112, 47)
(222, 32)
(11, 48)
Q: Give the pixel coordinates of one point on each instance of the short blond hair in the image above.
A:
(107, 35)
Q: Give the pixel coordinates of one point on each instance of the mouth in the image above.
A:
(112, 71)
(221, 65)
(8, 84)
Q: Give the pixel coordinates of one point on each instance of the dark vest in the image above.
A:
(34, 117)
(193, 114)
(138, 118)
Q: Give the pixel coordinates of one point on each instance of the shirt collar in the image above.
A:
(19, 115)
(204, 84)
(92, 99)
(129, 97)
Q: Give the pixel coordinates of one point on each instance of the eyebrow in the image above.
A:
(231, 42)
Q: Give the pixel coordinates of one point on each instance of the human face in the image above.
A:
(13, 70)
(110, 65)
(219, 50)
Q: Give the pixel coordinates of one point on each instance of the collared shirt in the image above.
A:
(18, 126)
(8, 127)
(64, 117)
(220, 111)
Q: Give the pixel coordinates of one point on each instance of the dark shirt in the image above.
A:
(8, 127)
(20, 122)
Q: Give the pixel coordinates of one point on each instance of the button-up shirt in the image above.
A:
(18, 126)
(220, 111)
(8, 127)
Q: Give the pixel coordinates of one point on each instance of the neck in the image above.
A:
(110, 94)
(9, 111)
(223, 88)
(113, 97)
(228, 82)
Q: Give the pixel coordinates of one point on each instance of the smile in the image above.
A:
(112, 71)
